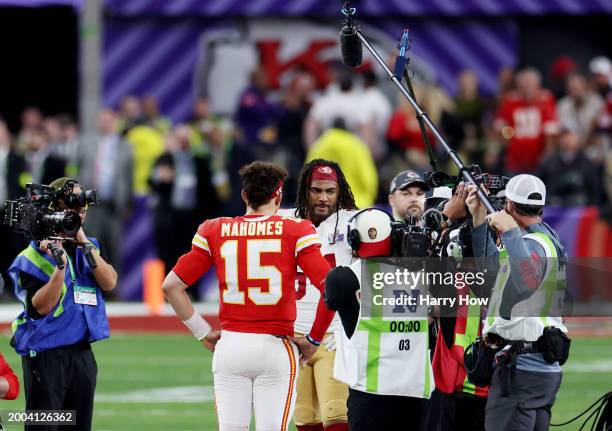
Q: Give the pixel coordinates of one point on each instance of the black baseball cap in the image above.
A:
(407, 178)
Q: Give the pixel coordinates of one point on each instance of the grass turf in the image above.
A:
(164, 382)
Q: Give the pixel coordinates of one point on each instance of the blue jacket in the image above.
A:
(67, 323)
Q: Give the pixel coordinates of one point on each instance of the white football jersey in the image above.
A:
(337, 251)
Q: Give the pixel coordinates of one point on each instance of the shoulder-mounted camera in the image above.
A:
(39, 216)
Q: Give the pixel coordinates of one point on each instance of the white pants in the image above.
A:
(254, 371)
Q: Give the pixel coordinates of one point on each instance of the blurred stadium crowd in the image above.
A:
(190, 170)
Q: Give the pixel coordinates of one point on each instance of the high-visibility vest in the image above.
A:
(68, 322)
(385, 355)
(448, 367)
(529, 317)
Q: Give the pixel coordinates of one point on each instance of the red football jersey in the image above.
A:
(405, 132)
(256, 259)
(532, 121)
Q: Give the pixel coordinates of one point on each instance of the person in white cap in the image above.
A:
(382, 356)
(524, 311)
(601, 69)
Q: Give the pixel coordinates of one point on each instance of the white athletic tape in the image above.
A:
(197, 325)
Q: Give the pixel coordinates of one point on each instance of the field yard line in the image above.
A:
(177, 394)
(591, 367)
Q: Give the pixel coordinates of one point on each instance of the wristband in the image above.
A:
(197, 325)
(312, 340)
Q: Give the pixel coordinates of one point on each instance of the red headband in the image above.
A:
(324, 173)
(277, 192)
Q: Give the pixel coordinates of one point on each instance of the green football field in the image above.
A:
(164, 382)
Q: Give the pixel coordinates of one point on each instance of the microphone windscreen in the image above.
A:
(350, 46)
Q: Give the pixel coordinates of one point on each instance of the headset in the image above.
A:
(352, 235)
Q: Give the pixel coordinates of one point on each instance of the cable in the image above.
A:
(603, 400)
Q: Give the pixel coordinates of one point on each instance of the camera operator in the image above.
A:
(385, 361)
(458, 404)
(530, 276)
(64, 313)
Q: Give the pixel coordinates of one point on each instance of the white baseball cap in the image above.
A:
(442, 192)
(526, 189)
(373, 227)
(600, 65)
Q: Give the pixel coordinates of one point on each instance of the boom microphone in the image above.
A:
(350, 46)
(350, 38)
(350, 43)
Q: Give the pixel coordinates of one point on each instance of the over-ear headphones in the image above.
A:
(352, 235)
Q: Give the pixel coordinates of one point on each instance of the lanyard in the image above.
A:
(72, 274)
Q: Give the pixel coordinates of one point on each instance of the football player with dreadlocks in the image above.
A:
(325, 198)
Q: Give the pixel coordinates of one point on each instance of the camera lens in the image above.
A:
(64, 223)
(439, 179)
(71, 223)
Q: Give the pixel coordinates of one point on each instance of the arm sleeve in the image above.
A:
(316, 268)
(483, 242)
(194, 264)
(527, 263)
(341, 285)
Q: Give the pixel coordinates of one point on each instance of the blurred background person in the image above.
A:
(256, 115)
(527, 123)
(294, 106)
(571, 178)
(69, 138)
(406, 138)
(152, 116)
(203, 122)
(354, 158)
(601, 73)
(559, 71)
(580, 107)
(105, 163)
(31, 121)
(43, 163)
(183, 196)
(130, 113)
(343, 104)
(377, 112)
(13, 178)
(465, 124)
(147, 145)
